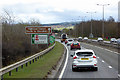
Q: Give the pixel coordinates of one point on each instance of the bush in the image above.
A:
(16, 45)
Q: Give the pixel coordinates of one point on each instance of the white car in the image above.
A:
(69, 41)
(79, 38)
(85, 38)
(113, 40)
(84, 59)
(118, 41)
(100, 39)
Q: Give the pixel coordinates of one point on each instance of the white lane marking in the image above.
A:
(118, 75)
(103, 48)
(83, 47)
(66, 61)
(110, 66)
(98, 57)
(98, 47)
(103, 61)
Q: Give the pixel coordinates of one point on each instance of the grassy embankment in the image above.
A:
(41, 67)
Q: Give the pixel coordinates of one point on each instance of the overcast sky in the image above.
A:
(55, 11)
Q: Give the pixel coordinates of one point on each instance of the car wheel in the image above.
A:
(71, 49)
(95, 69)
(74, 69)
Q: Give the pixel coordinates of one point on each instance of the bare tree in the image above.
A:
(111, 19)
(8, 16)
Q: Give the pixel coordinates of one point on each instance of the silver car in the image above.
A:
(84, 59)
(118, 41)
(112, 40)
(80, 39)
(69, 41)
(85, 38)
(100, 39)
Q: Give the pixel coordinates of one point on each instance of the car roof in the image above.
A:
(113, 38)
(99, 37)
(69, 39)
(84, 50)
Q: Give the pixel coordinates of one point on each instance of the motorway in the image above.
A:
(107, 64)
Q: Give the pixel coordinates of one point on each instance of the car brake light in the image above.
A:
(74, 57)
(65, 41)
(95, 64)
(72, 44)
(94, 56)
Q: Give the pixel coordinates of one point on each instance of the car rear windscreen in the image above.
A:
(75, 43)
(84, 54)
(70, 40)
(64, 36)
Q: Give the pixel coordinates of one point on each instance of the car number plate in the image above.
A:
(84, 58)
(75, 45)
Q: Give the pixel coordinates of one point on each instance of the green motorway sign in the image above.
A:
(52, 39)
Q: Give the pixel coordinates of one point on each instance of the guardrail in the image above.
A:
(105, 42)
(22, 62)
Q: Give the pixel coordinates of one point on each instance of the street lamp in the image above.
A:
(74, 20)
(103, 18)
(91, 34)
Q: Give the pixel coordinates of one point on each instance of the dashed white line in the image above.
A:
(118, 75)
(103, 61)
(98, 57)
(110, 66)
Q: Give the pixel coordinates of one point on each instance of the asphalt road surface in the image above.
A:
(107, 64)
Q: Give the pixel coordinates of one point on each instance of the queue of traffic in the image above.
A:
(82, 58)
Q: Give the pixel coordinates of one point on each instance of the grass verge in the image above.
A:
(41, 67)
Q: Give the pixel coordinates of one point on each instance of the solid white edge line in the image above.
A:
(60, 76)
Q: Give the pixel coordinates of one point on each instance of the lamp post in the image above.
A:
(103, 18)
(91, 34)
(74, 20)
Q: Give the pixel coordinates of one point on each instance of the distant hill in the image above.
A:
(62, 24)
